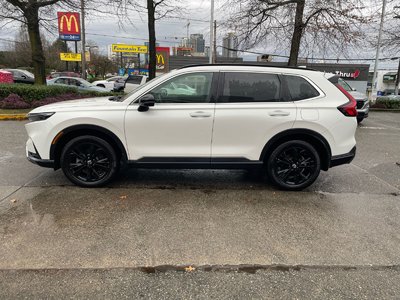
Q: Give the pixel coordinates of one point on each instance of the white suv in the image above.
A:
(292, 121)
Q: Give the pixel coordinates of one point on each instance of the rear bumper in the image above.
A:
(342, 159)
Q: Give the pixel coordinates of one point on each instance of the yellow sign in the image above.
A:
(70, 56)
(128, 48)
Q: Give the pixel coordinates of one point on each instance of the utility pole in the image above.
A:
(212, 32)
(396, 88)
(83, 39)
(378, 47)
(215, 43)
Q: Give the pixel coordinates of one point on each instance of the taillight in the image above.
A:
(349, 109)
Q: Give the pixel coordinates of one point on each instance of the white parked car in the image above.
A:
(291, 122)
(108, 84)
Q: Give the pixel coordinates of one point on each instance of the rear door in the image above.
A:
(252, 107)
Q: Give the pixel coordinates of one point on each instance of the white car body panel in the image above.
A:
(168, 125)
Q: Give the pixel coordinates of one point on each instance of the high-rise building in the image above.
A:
(230, 41)
(197, 41)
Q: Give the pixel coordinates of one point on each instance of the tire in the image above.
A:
(293, 165)
(101, 85)
(360, 119)
(89, 161)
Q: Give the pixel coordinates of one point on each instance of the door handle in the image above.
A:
(200, 114)
(279, 113)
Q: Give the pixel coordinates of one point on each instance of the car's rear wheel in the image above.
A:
(360, 119)
(293, 165)
(89, 161)
(101, 85)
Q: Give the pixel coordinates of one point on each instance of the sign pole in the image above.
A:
(76, 51)
(66, 62)
(138, 56)
(83, 39)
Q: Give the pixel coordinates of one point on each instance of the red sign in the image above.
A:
(69, 26)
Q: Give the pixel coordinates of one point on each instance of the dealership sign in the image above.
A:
(69, 27)
(353, 75)
(129, 48)
(70, 56)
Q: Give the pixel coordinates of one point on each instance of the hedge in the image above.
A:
(387, 102)
(27, 96)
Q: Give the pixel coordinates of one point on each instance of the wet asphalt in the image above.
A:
(241, 237)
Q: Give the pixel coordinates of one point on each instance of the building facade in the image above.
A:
(230, 41)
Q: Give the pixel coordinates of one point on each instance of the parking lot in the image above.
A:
(206, 233)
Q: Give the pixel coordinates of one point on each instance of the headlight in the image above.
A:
(39, 116)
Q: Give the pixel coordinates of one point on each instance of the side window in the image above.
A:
(61, 81)
(188, 88)
(251, 87)
(300, 89)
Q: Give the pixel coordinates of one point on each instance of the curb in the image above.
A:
(13, 117)
(385, 109)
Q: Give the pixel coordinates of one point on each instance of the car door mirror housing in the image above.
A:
(145, 102)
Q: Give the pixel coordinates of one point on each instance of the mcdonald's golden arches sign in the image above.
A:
(69, 26)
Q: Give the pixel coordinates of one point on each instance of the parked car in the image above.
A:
(79, 83)
(63, 74)
(108, 84)
(21, 76)
(291, 122)
(6, 77)
(129, 83)
(362, 99)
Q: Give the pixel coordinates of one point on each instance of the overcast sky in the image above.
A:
(106, 30)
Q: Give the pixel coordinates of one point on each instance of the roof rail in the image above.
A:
(247, 65)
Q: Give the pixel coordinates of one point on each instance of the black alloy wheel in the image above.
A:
(89, 161)
(294, 165)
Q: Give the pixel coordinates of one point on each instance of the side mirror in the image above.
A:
(145, 102)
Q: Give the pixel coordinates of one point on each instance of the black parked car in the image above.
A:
(22, 76)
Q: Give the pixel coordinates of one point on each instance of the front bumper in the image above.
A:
(46, 163)
(342, 159)
(34, 157)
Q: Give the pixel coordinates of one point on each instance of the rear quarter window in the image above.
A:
(300, 88)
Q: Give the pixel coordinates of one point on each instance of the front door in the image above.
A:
(179, 125)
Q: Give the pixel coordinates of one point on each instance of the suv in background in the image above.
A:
(362, 99)
(290, 122)
(128, 84)
(21, 76)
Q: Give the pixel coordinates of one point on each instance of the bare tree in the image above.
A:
(155, 10)
(32, 14)
(332, 21)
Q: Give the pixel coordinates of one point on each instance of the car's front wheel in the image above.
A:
(293, 165)
(89, 161)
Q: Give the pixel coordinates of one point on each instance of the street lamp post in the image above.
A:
(212, 33)
(373, 87)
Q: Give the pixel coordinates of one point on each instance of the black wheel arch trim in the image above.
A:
(299, 134)
(84, 129)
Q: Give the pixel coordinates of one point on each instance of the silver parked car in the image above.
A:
(79, 83)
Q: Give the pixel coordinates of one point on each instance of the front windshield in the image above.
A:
(345, 85)
(28, 73)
